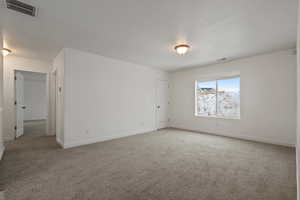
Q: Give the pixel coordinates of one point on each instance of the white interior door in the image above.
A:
(19, 84)
(162, 93)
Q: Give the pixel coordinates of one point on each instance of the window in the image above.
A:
(218, 98)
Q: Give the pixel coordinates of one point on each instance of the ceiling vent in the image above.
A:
(21, 7)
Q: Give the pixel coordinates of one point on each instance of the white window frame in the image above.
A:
(216, 116)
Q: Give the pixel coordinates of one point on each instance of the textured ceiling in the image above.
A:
(144, 32)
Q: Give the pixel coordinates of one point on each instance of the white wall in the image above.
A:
(1, 97)
(106, 98)
(298, 108)
(12, 63)
(35, 99)
(268, 99)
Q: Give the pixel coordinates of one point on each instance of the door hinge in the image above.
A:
(15, 127)
(15, 102)
(15, 78)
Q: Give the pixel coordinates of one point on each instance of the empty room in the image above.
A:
(156, 100)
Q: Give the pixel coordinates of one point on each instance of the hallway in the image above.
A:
(35, 128)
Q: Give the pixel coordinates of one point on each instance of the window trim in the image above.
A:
(215, 116)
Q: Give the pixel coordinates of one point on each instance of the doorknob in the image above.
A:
(23, 107)
(158, 107)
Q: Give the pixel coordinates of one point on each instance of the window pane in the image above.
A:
(206, 98)
(228, 104)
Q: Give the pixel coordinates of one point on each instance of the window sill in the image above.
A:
(218, 117)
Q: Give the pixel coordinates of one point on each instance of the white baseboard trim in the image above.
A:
(243, 137)
(103, 138)
(59, 142)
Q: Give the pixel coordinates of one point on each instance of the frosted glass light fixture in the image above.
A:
(5, 51)
(182, 49)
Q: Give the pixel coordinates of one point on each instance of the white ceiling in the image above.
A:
(145, 31)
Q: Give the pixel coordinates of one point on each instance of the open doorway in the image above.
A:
(30, 103)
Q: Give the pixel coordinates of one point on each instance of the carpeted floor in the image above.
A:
(162, 165)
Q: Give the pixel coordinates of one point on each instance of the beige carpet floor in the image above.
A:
(162, 165)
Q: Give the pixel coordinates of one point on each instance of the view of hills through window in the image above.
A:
(220, 98)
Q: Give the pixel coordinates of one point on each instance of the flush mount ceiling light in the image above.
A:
(182, 49)
(5, 51)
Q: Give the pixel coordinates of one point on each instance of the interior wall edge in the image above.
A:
(234, 59)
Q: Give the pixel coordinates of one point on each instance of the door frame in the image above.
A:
(53, 101)
(14, 99)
